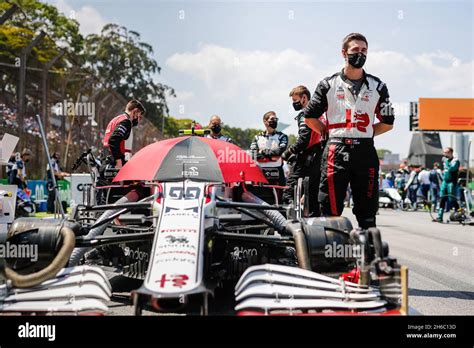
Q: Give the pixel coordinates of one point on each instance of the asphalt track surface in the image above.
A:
(440, 258)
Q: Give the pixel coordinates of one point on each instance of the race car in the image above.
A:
(186, 234)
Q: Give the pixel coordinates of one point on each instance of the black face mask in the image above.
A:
(273, 124)
(135, 122)
(357, 60)
(216, 129)
(297, 106)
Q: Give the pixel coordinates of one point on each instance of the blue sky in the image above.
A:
(240, 59)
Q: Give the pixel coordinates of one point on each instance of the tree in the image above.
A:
(382, 152)
(15, 34)
(126, 64)
(241, 137)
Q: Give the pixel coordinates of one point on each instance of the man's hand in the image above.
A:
(381, 128)
(63, 174)
(315, 125)
(118, 164)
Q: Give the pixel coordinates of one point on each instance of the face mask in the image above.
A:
(297, 105)
(357, 60)
(273, 124)
(135, 122)
(216, 129)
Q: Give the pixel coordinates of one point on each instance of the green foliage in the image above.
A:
(241, 137)
(36, 16)
(173, 125)
(126, 64)
(26, 23)
(382, 152)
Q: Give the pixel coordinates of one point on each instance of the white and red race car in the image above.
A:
(188, 235)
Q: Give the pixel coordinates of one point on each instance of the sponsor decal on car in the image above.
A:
(240, 253)
(174, 280)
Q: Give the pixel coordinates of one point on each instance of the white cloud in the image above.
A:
(89, 18)
(263, 76)
(436, 74)
(254, 80)
(268, 75)
(245, 84)
(182, 96)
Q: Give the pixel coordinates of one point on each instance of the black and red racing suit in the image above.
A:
(307, 150)
(350, 155)
(117, 132)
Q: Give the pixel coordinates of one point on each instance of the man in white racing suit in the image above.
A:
(352, 100)
(215, 125)
(267, 147)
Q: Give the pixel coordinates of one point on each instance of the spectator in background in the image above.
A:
(10, 164)
(401, 178)
(18, 171)
(391, 179)
(449, 185)
(59, 175)
(425, 184)
(436, 178)
(386, 182)
(412, 185)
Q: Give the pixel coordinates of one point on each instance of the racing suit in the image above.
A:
(267, 149)
(307, 151)
(350, 155)
(118, 130)
(220, 137)
(449, 186)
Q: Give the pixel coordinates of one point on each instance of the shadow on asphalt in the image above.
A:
(442, 293)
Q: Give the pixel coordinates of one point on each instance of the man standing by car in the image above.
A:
(267, 148)
(215, 125)
(306, 153)
(352, 100)
(448, 189)
(18, 171)
(59, 175)
(118, 131)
